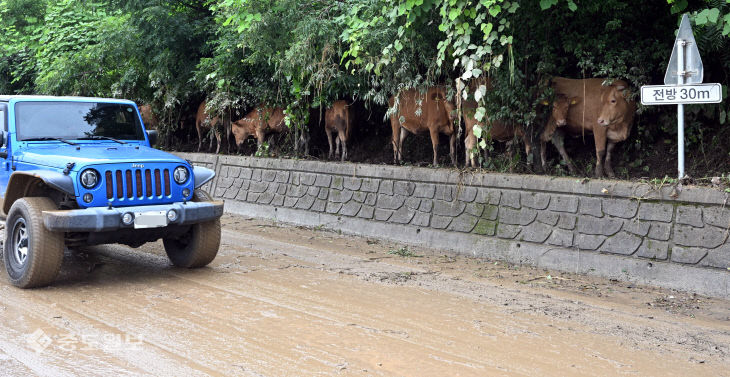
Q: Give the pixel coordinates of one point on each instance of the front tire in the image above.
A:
(199, 246)
(32, 254)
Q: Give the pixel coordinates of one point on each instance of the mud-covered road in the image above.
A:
(284, 301)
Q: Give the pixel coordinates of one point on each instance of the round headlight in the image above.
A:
(180, 174)
(89, 178)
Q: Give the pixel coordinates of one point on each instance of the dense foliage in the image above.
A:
(304, 54)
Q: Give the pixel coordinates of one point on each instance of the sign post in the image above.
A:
(683, 84)
(680, 107)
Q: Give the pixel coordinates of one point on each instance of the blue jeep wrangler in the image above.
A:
(81, 171)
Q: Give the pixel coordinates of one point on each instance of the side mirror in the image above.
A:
(152, 135)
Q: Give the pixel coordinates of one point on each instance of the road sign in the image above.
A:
(683, 81)
(680, 94)
(685, 50)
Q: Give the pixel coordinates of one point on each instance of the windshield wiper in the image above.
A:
(50, 138)
(98, 137)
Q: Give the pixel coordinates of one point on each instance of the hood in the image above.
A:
(58, 155)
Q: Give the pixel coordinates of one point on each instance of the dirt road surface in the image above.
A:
(286, 301)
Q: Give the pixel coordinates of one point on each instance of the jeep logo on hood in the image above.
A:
(137, 166)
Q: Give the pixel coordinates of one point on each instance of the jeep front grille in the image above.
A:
(120, 184)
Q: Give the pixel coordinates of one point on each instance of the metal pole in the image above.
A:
(680, 109)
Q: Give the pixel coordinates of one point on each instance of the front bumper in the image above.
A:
(109, 219)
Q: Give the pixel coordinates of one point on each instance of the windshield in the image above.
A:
(76, 120)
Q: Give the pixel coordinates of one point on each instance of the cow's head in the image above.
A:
(450, 111)
(561, 105)
(240, 130)
(439, 96)
(614, 106)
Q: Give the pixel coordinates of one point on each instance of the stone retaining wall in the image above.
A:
(665, 236)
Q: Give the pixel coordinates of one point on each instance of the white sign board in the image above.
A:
(681, 94)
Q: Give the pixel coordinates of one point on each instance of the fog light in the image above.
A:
(186, 192)
(88, 198)
(127, 218)
(172, 215)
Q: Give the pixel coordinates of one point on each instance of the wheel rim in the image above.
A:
(20, 242)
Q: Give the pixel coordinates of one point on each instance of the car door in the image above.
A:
(4, 158)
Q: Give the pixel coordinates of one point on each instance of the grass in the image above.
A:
(404, 252)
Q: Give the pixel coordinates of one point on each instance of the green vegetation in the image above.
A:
(404, 252)
(304, 54)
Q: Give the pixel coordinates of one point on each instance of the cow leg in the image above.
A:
(469, 143)
(403, 134)
(607, 166)
(435, 143)
(210, 145)
(510, 153)
(558, 140)
(260, 135)
(599, 136)
(467, 155)
(200, 138)
(329, 140)
(229, 131)
(304, 139)
(395, 128)
(600, 156)
(547, 134)
(344, 145)
(243, 138)
(452, 148)
(528, 149)
(337, 145)
(218, 137)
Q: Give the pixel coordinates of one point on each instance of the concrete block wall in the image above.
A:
(672, 237)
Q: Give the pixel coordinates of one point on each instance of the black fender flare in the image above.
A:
(20, 183)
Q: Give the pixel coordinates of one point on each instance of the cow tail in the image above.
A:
(348, 126)
(583, 129)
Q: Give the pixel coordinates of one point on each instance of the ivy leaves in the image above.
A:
(547, 4)
(714, 15)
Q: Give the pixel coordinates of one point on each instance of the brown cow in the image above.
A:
(498, 130)
(148, 117)
(203, 122)
(558, 118)
(417, 113)
(606, 111)
(337, 119)
(258, 123)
